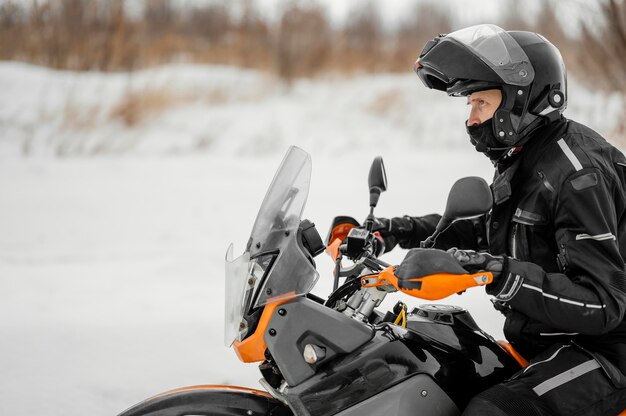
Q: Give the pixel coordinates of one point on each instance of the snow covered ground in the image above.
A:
(233, 112)
(111, 258)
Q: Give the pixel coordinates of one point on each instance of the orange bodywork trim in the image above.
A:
(213, 387)
(252, 349)
(337, 235)
(433, 286)
(384, 278)
(340, 231)
(442, 285)
(523, 362)
(333, 249)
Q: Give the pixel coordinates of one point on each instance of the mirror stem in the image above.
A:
(442, 225)
(374, 196)
(429, 242)
(369, 221)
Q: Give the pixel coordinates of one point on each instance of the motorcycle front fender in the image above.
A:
(210, 400)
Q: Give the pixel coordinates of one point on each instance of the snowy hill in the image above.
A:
(227, 111)
(111, 267)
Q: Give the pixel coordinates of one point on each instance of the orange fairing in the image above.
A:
(337, 235)
(340, 231)
(252, 349)
(431, 287)
(333, 249)
(523, 362)
(384, 278)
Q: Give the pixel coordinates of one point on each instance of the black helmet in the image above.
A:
(525, 66)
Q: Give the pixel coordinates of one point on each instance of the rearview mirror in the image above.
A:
(377, 180)
(469, 197)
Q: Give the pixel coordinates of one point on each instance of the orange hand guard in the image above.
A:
(431, 287)
(336, 237)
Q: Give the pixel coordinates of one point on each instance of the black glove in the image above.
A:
(406, 231)
(421, 262)
(433, 274)
(474, 261)
(382, 226)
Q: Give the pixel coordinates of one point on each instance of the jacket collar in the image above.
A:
(505, 171)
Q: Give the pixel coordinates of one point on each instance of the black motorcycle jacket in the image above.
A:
(559, 215)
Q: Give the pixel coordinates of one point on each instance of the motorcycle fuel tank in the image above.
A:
(442, 344)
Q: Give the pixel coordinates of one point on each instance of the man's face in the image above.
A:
(483, 105)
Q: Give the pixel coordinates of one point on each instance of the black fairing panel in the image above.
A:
(209, 401)
(302, 322)
(460, 358)
(416, 395)
(470, 360)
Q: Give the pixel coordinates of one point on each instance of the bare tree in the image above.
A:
(361, 43)
(159, 15)
(251, 40)
(12, 17)
(604, 50)
(421, 25)
(303, 41)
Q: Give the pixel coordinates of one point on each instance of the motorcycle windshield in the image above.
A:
(274, 265)
(499, 50)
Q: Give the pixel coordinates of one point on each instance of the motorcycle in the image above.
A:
(341, 355)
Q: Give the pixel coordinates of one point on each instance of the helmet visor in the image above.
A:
(499, 50)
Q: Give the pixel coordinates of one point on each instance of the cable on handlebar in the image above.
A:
(347, 289)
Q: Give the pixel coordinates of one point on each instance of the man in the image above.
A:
(555, 239)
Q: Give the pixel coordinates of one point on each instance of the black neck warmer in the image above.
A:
(483, 139)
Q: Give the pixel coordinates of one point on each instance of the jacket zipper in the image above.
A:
(545, 181)
(561, 258)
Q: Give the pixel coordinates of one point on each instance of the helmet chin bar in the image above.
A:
(511, 119)
(547, 110)
(550, 103)
(513, 123)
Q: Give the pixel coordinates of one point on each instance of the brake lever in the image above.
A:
(374, 263)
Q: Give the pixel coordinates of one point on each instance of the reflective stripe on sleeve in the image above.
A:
(599, 237)
(564, 300)
(511, 286)
(570, 155)
(565, 377)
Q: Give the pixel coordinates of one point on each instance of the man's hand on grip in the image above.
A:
(474, 261)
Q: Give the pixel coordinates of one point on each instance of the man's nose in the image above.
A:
(473, 119)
